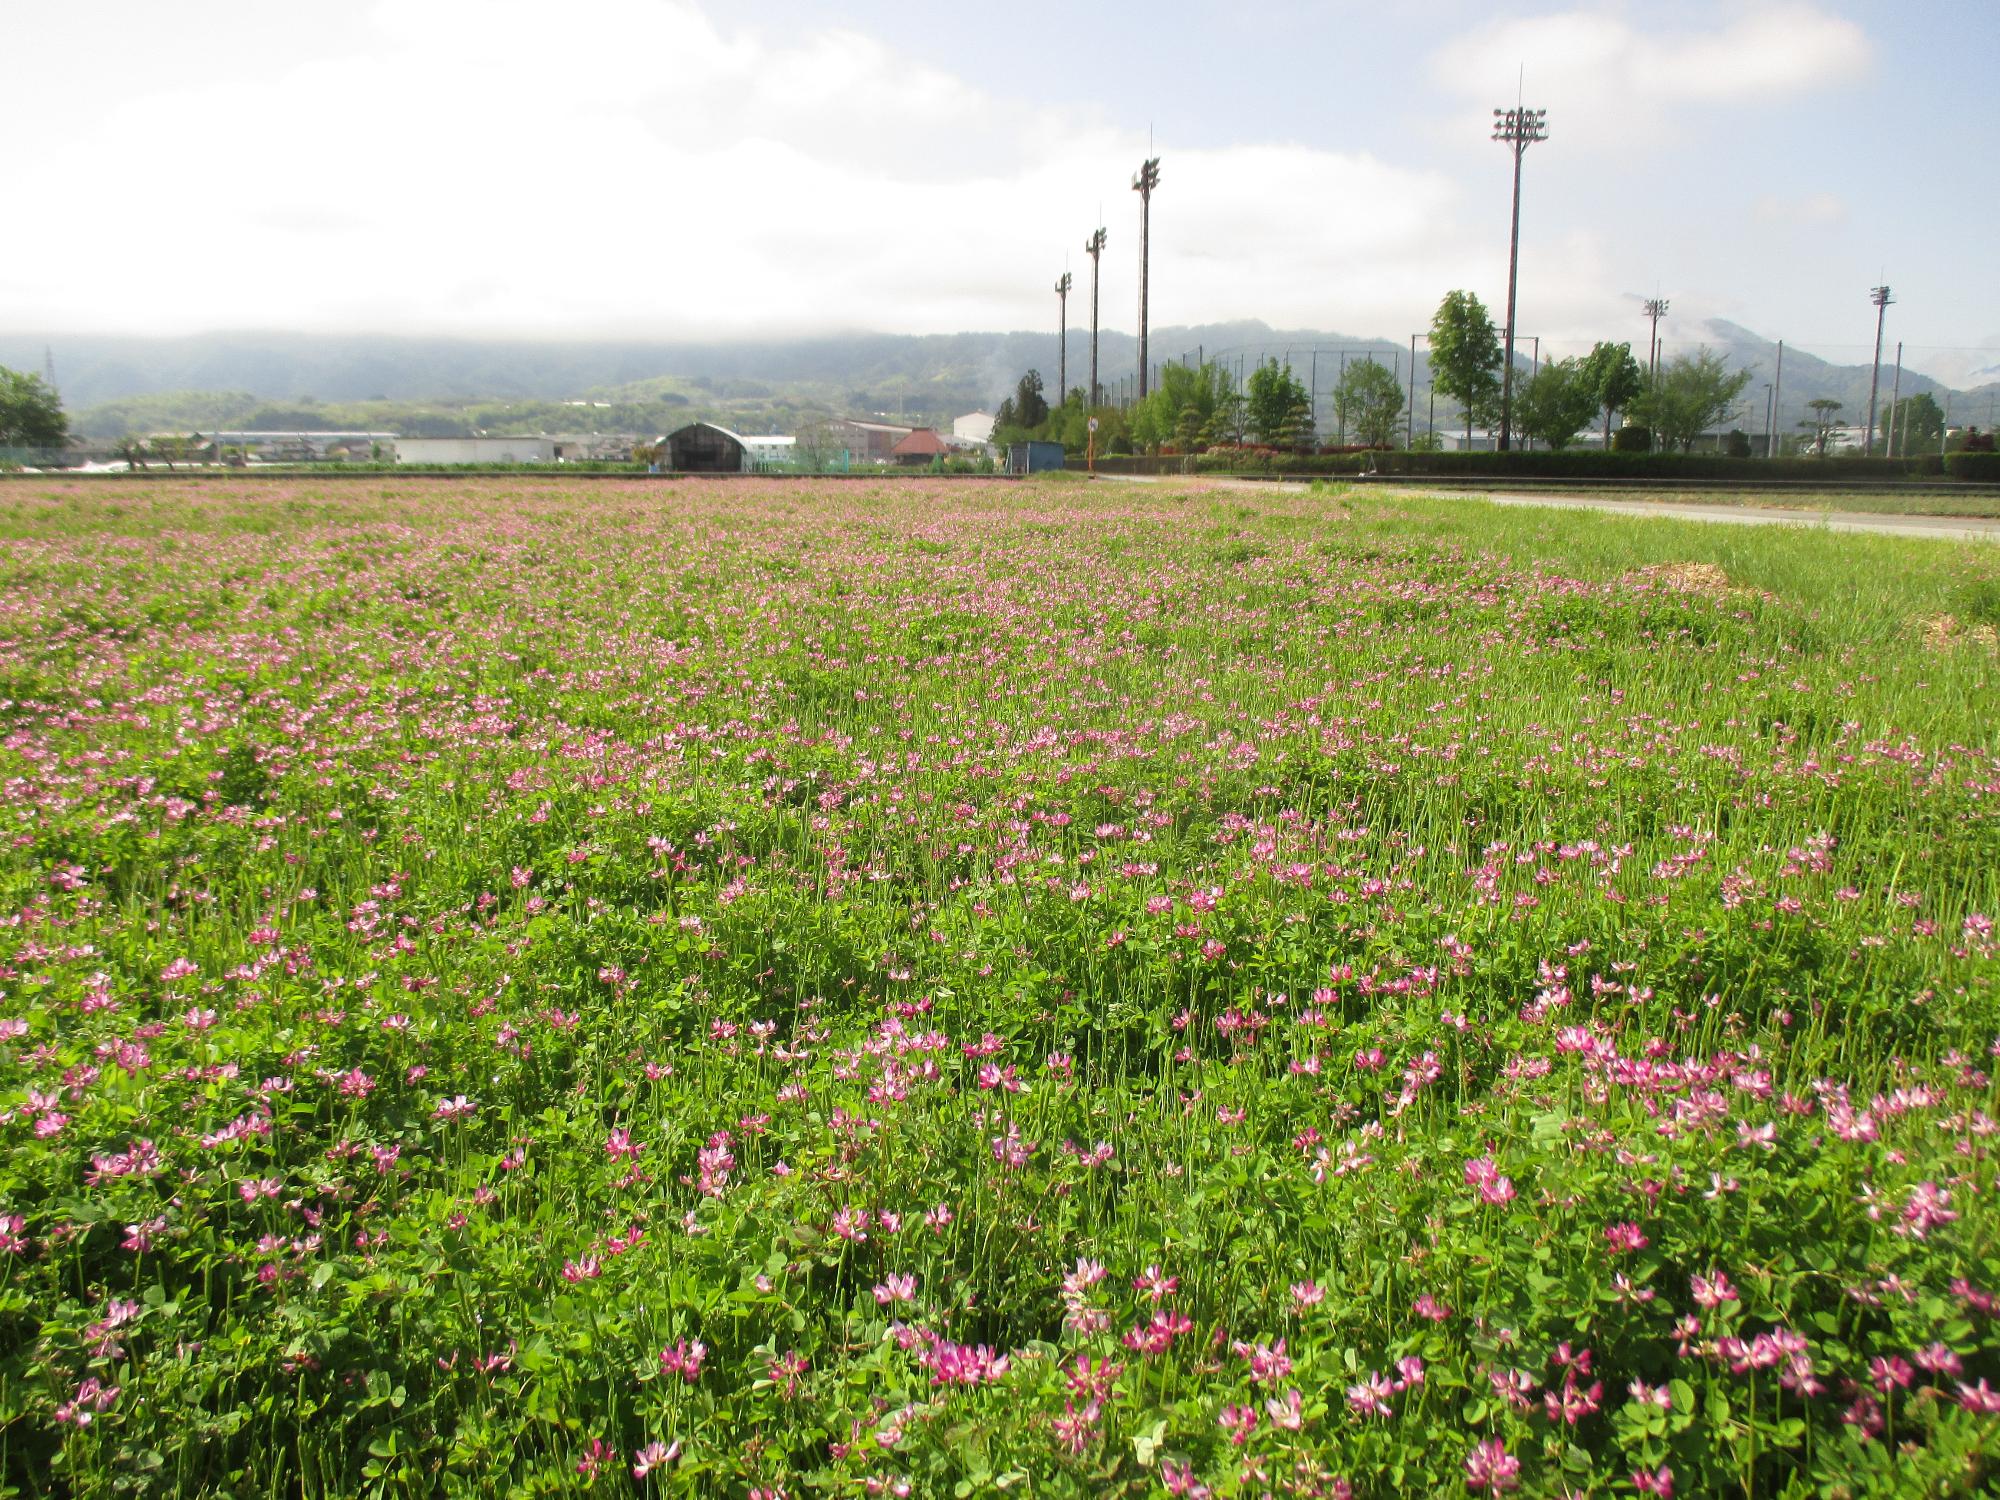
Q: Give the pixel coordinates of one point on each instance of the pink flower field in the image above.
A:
(918, 988)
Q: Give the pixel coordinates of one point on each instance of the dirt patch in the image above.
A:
(1706, 580)
(1942, 632)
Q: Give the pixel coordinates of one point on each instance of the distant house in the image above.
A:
(476, 450)
(974, 427)
(918, 447)
(865, 442)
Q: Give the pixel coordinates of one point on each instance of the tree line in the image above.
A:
(1199, 407)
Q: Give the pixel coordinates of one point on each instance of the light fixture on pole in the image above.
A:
(1880, 297)
(1062, 344)
(1656, 309)
(1094, 248)
(1519, 128)
(1143, 184)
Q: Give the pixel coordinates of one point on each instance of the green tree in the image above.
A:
(1557, 403)
(172, 447)
(1918, 424)
(31, 414)
(1465, 355)
(1157, 419)
(1277, 407)
(1824, 419)
(1368, 401)
(1296, 431)
(1616, 377)
(1689, 395)
(1031, 408)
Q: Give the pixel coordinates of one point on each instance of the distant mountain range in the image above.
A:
(110, 383)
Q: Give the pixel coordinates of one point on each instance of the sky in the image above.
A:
(674, 168)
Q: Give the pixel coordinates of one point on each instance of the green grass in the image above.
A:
(962, 989)
(1939, 500)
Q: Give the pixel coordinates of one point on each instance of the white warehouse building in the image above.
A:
(476, 450)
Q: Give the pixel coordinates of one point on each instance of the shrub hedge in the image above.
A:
(1975, 468)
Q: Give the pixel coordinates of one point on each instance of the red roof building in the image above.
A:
(920, 447)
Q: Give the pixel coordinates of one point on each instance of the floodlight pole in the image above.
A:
(1143, 184)
(1519, 128)
(1094, 248)
(1062, 337)
(1656, 309)
(1880, 297)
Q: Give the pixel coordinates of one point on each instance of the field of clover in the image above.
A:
(916, 988)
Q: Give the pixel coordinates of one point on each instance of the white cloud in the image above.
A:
(460, 169)
(1609, 83)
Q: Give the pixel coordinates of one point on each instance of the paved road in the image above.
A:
(1938, 528)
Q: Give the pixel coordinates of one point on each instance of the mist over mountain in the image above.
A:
(930, 374)
(113, 384)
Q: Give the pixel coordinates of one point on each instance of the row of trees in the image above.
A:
(1674, 404)
(1914, 424)
(1195, 407)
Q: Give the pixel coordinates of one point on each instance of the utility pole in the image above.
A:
(1094, 248)
(1143, 184)
(1656, 309)
(1062, 356)
(1778, 392)
(1880, 297)
(1519, 128)
(1410, 428)
(1770, 432)
(1895, 400)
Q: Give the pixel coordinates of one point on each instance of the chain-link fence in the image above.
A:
(1782, 408)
